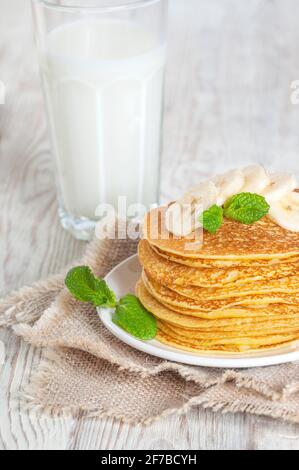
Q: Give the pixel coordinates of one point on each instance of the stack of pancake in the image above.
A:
(236, 291)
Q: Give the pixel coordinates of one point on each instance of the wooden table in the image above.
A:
(230, 67)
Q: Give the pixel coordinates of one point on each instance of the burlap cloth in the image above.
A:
(85, 368)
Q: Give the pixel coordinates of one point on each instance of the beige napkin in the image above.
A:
(84, 367)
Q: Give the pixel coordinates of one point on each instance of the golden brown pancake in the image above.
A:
(284, 316)
(219, 336)
(286, 285)
(238, 342)
(172, 274)
(222, 263)
(261, 240)
(229, 345)
(168, 296)
(238, 311)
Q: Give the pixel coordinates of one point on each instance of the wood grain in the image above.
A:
(230, 67)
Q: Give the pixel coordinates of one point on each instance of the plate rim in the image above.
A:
(210, 359)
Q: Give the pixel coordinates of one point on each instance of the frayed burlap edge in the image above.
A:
(228, 405)
(12, 307)
(41, 378)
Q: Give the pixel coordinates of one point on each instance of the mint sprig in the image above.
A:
(84, 286)
(132, 317)
(246, 208)
(212, 219)
(129, 313)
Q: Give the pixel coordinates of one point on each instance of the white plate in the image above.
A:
(122, 280)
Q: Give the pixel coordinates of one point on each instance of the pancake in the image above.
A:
(285, 285)
(222, 263)
(171, 274)
(233, 241)
(229, 345)
(170, 297)
(218, 336)
(236, 343)
(238, 311)
(285, 316)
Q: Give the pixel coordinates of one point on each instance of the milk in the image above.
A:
(103, 82)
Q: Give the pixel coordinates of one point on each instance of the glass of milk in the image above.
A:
(102, 65)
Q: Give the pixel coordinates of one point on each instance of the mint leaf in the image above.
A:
(212, 218)
(84, 286)
(246, 208)
(131, 316)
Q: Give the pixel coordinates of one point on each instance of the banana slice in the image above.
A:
(182, 217)
(179, 219)
(286, 212)
(228, 184)
(205, 194)
(256, 179)
(281, 184)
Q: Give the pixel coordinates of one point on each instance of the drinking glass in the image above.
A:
(102, 66)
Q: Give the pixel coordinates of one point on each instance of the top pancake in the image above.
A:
(262, 240)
